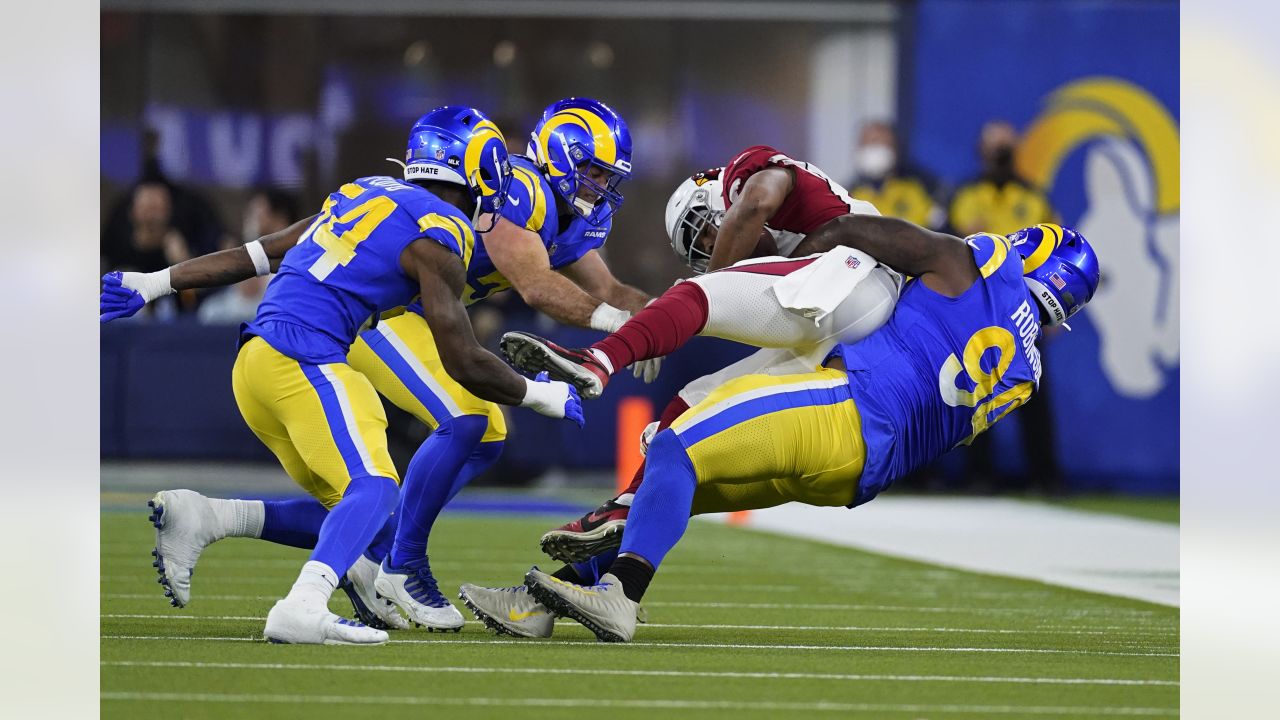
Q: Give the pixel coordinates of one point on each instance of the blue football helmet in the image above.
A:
(1059, 267)
(573, 135)
(461, 145)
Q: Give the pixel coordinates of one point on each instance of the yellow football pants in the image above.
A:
(763, 440)
(400, 358)
(325, 423)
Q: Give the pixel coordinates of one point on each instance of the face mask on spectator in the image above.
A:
(874, 161)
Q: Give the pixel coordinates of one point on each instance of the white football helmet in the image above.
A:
(697, 202)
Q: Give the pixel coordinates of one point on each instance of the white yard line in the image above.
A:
(702, 626)
(432, 669)
(1101, 553)
(1056, 614)
(598, 703)
(708, 646)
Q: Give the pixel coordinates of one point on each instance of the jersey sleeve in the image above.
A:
(747, 163)
(450, 230)
(527, 203)
(995, 257)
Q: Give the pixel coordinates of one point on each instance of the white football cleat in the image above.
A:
(414, 590)
(603, 608)
(299, 623)
(372, 610)
(185, 524)
(508, 610)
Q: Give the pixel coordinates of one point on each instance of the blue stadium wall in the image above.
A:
(1094, 88)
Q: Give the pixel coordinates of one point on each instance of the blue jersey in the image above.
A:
(346, 268)
(942, 370)
(531, 205)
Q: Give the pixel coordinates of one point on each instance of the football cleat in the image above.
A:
(185, 524)
(376, 612)
(508, 610)
(603, 608)
(299, 623)
(413, 589)
(596, 532)
(579, 368)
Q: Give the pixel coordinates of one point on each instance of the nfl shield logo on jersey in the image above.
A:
(852, 262)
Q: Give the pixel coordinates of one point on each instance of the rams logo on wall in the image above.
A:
(1131, 177)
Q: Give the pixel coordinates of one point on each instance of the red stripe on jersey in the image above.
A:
(782, 267)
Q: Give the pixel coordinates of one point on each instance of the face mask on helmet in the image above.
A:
(694, 208)
(584, 149)
(1059, 267)
(460, 145)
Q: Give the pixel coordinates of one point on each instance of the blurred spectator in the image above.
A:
(268, 211)
(152, 242)
(1000, 201)
(158, 223)
(886, 180)
(997, 200)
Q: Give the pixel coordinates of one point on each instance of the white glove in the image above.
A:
(608, 318)
(646, 437)
(647, 370)
(553, 398)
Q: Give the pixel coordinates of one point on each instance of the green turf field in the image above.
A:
(742, 624)
(1160, 509)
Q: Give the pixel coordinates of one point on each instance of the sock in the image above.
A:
(429, 482)
(659, 329)
(604, 360)
(238, 518)
(294, 522)
(315, 584)
(660, 512)
(353, 523)
(595, 567)
(634, 575)
(567, 573)
(381, 544)
(673, 410)
(483, 458)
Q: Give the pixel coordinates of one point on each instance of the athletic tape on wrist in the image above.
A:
(608, 318)
(149, 285)
(258, 254)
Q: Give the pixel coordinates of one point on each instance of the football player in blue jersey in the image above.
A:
(377, 244)
(957, 355)
(543, 242)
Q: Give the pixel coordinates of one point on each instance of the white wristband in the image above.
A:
(608, 318)
(545, 398)
(261, 265)
(149, 285)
